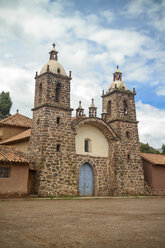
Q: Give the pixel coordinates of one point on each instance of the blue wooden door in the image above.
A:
(86, 180)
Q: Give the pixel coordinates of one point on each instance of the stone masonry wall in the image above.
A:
(117, 98)
(128, 171)
(52, 142)
(45, 90)
(55, 169)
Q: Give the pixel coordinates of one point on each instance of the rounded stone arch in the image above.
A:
(107, 131)
(87, 160)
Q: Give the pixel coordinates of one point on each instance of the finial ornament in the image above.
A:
(117, 75)
(79, 110)
(92, 110)
(17, 110)
(53, 53)
(92, 104)
(80, 106)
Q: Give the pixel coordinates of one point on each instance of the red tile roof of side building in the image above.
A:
(17, 120)
(9, 154)
(156, 159)
(25, 135)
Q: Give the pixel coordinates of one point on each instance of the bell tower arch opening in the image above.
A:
(109, 107)
(58, 92)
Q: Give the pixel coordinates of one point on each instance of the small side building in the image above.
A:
(15, 176)
(154, 172)
(15, 131)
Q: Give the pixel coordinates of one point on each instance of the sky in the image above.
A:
(92, 38)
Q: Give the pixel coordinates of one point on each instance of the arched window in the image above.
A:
(109, 108)
(40, 93)
(87, 145)
(125, 107)
(57, 92)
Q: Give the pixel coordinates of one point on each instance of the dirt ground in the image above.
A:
(87, 223)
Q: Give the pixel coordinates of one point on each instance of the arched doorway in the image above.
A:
(86, 180)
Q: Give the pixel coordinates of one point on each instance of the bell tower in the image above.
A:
(119, 111)
(52, 144)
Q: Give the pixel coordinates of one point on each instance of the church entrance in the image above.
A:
(86, 180)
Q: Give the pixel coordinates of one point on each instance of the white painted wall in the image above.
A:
(99, 144)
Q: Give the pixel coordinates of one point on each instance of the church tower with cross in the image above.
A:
(83, 155)
(52, 145)
(119, 111)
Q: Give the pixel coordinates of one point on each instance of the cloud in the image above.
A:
(151, 124)
(161, 91)
(153, 10)
(87, 47)
(85, 90)
(18, 82)
(109, 15)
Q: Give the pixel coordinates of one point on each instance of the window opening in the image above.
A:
(4, 172)
(125, 107)
(58, 70)
(57, 97)
(128, 158)
(58, 148)
(127, 134)
(109, 108)
(58, 120)
(40, 93)
(86, 145)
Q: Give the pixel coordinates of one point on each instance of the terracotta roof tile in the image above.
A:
(156, 159)
(25, 135)
(16, 120)
(10, 154)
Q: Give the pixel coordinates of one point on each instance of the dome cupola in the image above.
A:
(53, 65)
(117, 81)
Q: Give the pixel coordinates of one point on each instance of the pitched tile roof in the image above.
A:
(156, 159)
(9, 154)
(25, 135)
(16, 120)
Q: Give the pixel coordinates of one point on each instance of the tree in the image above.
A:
(148, 149)
(5, 104)
(163, 149)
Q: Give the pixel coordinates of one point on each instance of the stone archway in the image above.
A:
(107, 130)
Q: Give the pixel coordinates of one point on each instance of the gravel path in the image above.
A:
(87, 223)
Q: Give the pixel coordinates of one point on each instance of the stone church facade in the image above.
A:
(84, 155)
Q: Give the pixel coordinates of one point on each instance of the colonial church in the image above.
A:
(56, 154)
(83, 155)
